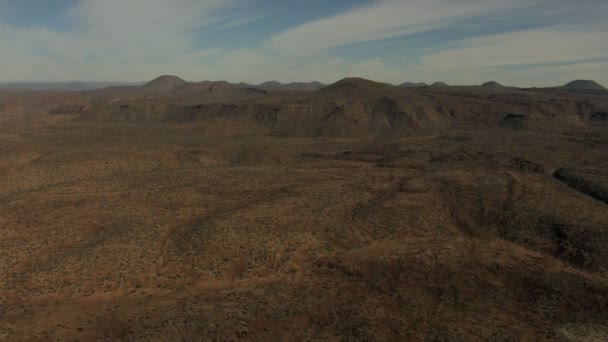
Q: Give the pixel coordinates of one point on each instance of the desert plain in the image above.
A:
(357, 211)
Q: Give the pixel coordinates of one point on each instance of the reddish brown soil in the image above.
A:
(228, 222)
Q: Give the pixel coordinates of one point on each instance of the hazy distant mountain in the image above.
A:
(271, 84)
(355, 86)
(222, 84)
(439, 84)
(492, 84)
(241, 84)
(63, 86)
(583, 85)
(413, 85)
(165, 83)
(291, 86)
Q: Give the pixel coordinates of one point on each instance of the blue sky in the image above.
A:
(517, 42)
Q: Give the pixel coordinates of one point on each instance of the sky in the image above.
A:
(514, 42)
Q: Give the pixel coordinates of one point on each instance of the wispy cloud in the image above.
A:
(252, 16)
(536, 46)
(118, 39)
(522, 42)
(383, 19)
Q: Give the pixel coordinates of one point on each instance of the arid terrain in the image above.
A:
(358, 211)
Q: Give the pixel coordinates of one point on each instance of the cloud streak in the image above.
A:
(118, 39)
(537, 46)
(381, 20)
(135, 40)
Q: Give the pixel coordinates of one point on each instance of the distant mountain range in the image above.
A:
(170, 83)
(64, 86)
(161, 83)
(291, 86)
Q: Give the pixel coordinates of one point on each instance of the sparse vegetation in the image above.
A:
(363, 211)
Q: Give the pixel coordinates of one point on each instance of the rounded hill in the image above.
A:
(355, 85)
(492, 84)
(583, 85)
(165, 83)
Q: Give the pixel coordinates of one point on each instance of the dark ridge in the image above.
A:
(600, 117)
(355, 83)
(291, 86)
(492, 84)
(515, 121)
(413, 85)
(580, 184)
(583, 85)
